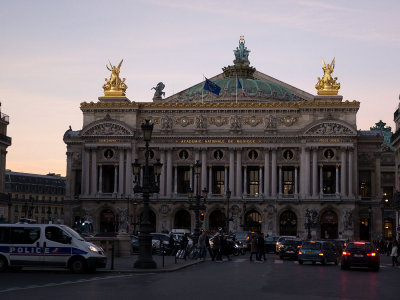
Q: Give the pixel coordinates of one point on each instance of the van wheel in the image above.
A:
(78, 266)
(3, 264)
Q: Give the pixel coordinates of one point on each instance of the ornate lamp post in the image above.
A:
(9, 203)
(369, 222)
(197, 206)
(228, 219)
(145, 259)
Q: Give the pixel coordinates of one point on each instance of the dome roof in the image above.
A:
(251, 87)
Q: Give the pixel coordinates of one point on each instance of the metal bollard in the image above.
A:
(112, 255)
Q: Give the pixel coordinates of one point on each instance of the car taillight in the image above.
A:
(321, 254)
(371, 254)
(346, 253)
(300, 253)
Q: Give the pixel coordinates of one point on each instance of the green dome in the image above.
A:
(251, 86)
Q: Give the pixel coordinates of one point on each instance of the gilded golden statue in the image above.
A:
(327, 86)
(114, 86)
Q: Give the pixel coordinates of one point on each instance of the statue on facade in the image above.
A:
(114, 86)
(241, 53)
(310, 217)
(201, 122)
(236, 122)
(327, 85)
(122, 220)
(166, 123)
(348, 219)
(270, 122)
(159, 91)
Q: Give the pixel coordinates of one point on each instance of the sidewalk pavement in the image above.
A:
(166, 264)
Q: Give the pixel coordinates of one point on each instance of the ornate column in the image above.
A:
(87, 177)
(69, 185)
(239, 173)
(321, 183)
(315, 172)
(307, 180)
(93, 177)
(121, 172)
(169, 173)
(175, 180)
(273, 174)
(378, 190)
(203, 169)
(267, 191)
(232, 172)
(337, 179)
(128, 172)
(260, 181)
(280, 181)
(191, 177)
(100, 178)
(350, 168)
(162, 175)
(210, 181)
(245, 180)
(296, 185)
(198, 177)
(225, 179)
(343, 170)
(115, 179)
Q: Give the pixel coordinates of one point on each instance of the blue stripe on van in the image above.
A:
(48, 251)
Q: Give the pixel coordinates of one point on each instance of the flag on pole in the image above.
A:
(212, 87)
(239, 86)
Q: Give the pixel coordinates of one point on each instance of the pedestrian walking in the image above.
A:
(260, 246)
(394, 254)
(208, 246)
(216, 248)
(253, 247)
(171, 244)
(184, 244)
(202, 245)
(225, 247)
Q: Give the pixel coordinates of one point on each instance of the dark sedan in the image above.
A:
(360, 254)
(270, 244)
(290, 249)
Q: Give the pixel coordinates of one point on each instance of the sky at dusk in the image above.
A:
(53, 56)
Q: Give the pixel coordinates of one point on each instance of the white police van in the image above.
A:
(50, 245)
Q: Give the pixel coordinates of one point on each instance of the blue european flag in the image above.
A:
(212, 87)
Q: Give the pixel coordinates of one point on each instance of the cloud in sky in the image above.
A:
(53, 56)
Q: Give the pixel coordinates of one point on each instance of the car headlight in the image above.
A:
(94, 249)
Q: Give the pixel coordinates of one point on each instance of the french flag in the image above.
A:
(240, 87)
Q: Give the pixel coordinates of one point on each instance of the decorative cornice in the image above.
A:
(301, 104)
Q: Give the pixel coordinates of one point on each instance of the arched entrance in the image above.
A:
(182, 220)
(107, 221)
(152, 220)
(252, 221)
(217, 219)
(329, 225)
(364, 229)
(288, 223)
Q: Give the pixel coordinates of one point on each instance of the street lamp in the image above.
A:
(228, 196)
(9, 203)
(197, 206)
(49, 214)
(145, 259)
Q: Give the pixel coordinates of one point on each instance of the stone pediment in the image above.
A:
(107, 127)
(330, 128)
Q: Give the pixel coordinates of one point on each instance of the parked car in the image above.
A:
(281, 239)
(318, 251)
(290, 249)
(135, 244)
(360, 254)
(270, 244)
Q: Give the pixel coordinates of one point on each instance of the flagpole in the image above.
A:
(236, 88)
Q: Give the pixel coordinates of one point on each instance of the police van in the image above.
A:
(49, 245)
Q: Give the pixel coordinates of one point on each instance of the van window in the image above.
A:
(24, 235)
(56, 234)
(4, 235)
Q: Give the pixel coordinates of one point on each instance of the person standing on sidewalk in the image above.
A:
(394, 254)
(202, 245)
(260, 246)
(171, 244)
(253, 247)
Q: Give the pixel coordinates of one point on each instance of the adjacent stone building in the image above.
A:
(289, 158)
(5, 142)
